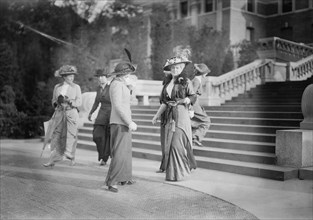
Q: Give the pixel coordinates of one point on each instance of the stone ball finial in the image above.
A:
(307, 108)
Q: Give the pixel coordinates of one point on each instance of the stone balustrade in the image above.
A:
(301, 70)
(219, 89)
(275, 47)
(146, 89)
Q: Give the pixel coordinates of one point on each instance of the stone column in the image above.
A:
(294, 148)
(219, 15)
(194, 4)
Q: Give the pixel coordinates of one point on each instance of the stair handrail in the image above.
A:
(222, 88)
(301, 70)
(285, 47)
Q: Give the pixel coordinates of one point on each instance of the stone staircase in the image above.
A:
(242, 135)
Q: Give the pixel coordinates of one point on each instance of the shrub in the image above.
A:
(22, 126)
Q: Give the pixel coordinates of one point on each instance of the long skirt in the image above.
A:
(120, 169)
(101, 136)
(64, 135)
(178, 165)
(162, 136)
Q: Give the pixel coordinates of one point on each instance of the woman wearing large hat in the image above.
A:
(62, 130)
(101, 126)
(200, 122)
(121, 126)
(177, 94)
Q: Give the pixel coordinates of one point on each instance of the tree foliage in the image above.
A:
(161, 39)
(91, 10)
(211, 47)
(247, 53)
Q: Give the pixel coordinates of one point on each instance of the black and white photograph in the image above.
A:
(156, 109)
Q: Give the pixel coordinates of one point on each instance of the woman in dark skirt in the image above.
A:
(101, 127)
(176, 97)
(120, 170)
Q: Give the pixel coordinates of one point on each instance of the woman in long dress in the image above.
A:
(101, 126)
(62, 130)
(121, 125)
(177, 94)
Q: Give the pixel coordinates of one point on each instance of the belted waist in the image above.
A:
(105, 105)
(65, 107)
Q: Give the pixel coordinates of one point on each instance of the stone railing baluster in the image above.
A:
(301, 69)
(231, 84)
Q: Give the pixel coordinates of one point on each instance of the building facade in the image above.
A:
(249, 19)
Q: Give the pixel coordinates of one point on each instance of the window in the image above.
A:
(184, 8)
(250, 34)
(287, 6)
(302, 4)
(208, 5)
(250, 5)
(267, 7)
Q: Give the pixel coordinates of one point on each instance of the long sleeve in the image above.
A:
(118, 95)
(78, 98)
(54, 96)
(95, 104)
(191, 93)
(196, 86)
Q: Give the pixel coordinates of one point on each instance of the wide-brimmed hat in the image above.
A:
(173, 61)
(66, 70)
(124, 68)
(202, 69)
(102, 72)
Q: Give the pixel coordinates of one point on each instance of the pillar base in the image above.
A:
(294, 148)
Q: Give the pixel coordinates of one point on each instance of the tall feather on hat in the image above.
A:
(125, 67)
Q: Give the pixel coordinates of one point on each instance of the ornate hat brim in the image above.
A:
(167, 68)
(58, 74)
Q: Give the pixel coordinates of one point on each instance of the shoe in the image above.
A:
(113, 189)
(102, 163)
(129, 182)
(160, 171)
(72, 162)
(49, 164)
(196, 142)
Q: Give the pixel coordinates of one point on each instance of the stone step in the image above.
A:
(223, 113)
(265, 108)
(306, 173)
(239, 167)
(232, 135)
(257, 121)
(233, 107)
(214, 126)
(285, 99)
(230, 144)
(268, 138)
(261, 102)
(237, 121)
(226, 127)
(273, 94)
(229, 154)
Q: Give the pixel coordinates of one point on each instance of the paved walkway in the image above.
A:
(29, 190)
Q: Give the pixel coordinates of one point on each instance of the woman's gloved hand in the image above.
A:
(60, 99)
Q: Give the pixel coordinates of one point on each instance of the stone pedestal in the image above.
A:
(294, 148)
